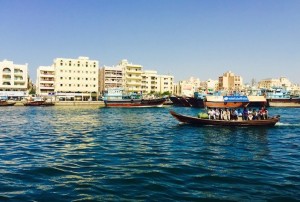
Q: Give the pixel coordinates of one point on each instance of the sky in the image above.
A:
(255, 39)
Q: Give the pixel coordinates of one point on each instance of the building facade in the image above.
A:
(13, 80)
(76, 79)
(45, 81)
(230, 82)
(110, 77)
(132, 77)
(187, 87)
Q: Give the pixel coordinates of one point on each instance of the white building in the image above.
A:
(76, 79)
(132, 77)
(13, 80)
(45, 81)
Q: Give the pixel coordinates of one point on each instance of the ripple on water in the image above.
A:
(80, 154)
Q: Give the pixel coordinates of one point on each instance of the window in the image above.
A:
(78, 78)
(61, 78)
(70, 78)
(61, 84)
(86, 78)
(70, 85)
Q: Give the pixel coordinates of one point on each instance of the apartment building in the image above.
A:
(76, 79)
(13, 80)
(165, 83)
(150, 82)
(230, 82)
(187, 87)
(132, 76)
(110, 77)
(275, 83)
(45, 81)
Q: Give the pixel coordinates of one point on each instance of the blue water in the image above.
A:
(91, 154)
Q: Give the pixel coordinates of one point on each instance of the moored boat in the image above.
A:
(116, 98)
(213, 101)
(202, 122)
(282, 98)
(38, 101)
(4, 103)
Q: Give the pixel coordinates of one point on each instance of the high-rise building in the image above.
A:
(13, 80)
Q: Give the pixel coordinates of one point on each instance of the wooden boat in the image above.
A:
(282, 98)
(115, 98)
(202, 122)
(4, 103)
(226, 101)
(38, 102)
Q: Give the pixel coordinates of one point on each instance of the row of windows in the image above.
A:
(78, 85)
(78, 78)
(78, 64)
(70, 71)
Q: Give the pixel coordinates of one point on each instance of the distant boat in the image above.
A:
(115, 97)
(202, 122)
(213, 101)
(38, 101)
(281, 98)
(5, 102)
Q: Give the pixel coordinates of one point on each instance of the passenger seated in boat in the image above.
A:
(217, 113)
(245, 113)
(255, 115)
(211, 114)
(234, 114)
(226, 114)
(262, 113)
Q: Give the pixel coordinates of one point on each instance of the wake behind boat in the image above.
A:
(202, 122)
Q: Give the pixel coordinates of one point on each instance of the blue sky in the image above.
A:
(201, 38)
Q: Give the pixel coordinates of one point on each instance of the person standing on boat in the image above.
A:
(245, 113)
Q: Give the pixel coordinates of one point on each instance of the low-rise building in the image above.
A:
(13, 80)
(187, 87)
(230, 82)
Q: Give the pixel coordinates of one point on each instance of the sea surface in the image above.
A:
(110, 154)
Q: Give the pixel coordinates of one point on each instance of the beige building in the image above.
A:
(13, 80)
(230, 82)
(275, 83)
(110, 77)
(211, 85)
(154, 83)
(187, 87)
(132, 77)
(76, 79)
(45, 81)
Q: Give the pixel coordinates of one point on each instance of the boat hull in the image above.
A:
(5, 104)
(135, 103)
(202, 122)
(38, 103)
(292, 102)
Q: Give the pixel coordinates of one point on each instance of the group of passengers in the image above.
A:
(234, 114)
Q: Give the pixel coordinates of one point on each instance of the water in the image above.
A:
(91, 154)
